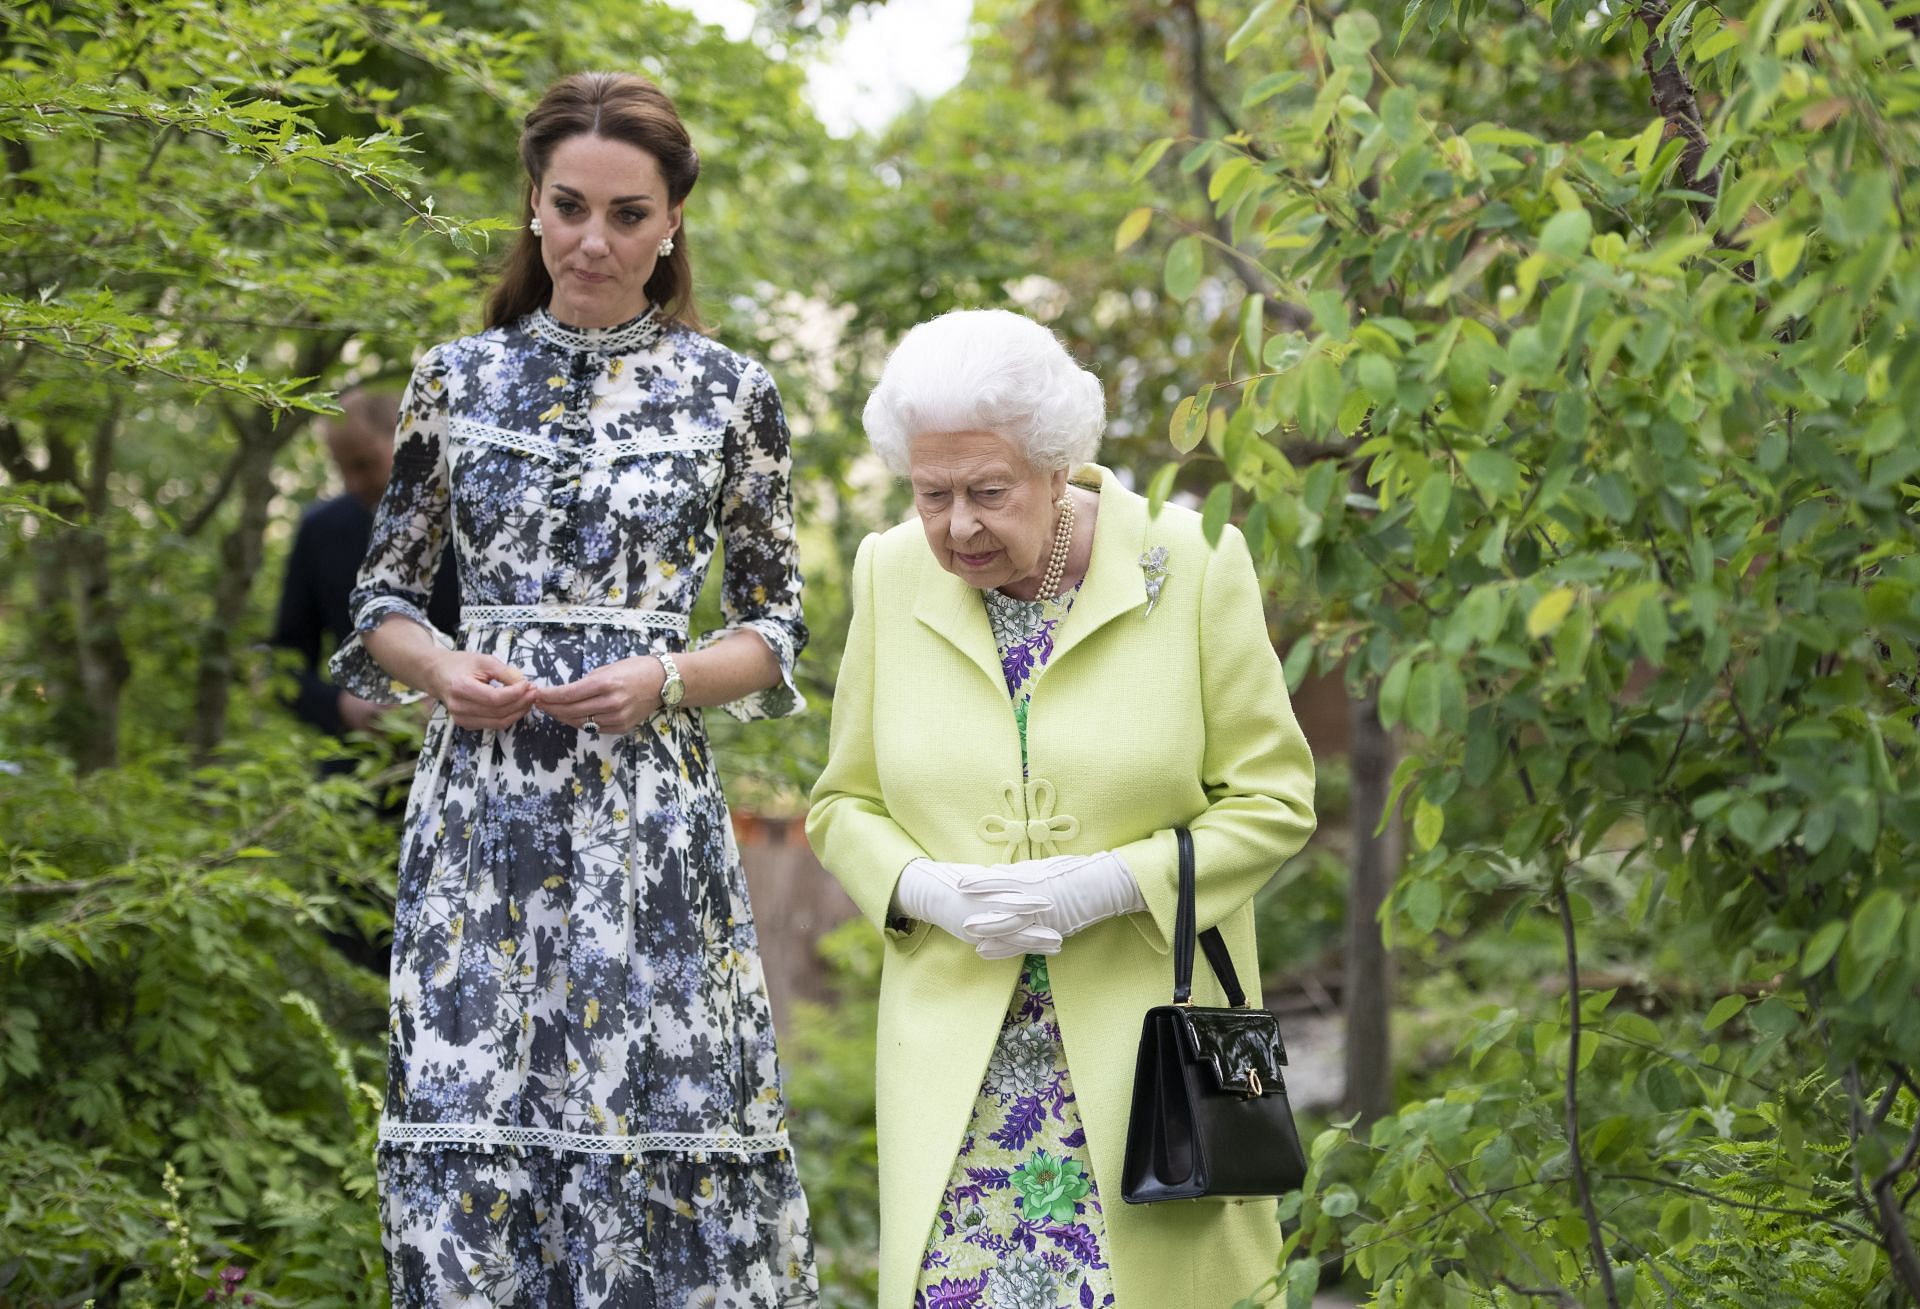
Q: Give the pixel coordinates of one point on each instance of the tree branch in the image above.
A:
(1595, 1239)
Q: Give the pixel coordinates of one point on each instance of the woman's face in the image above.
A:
(603, 209)
(988, 514)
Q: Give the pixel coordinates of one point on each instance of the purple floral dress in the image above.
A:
(1020, 1223)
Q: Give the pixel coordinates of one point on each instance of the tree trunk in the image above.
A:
(1368, 993)
(240, 554)
(262, 435)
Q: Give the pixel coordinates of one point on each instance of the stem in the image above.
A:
(1580, 1183)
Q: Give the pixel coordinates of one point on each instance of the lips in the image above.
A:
(975, 561)
(593, 278)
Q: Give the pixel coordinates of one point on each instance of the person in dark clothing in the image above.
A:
(327, 550)
(326, 557)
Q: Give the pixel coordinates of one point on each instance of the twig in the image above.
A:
(1751, 1206)
(1580, 1184)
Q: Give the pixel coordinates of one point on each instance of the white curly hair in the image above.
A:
(987, 370)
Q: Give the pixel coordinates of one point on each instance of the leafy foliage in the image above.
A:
(1594, 462)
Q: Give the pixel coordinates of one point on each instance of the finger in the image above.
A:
(572, 693)
(997, 948)
(1019, 902)
(997, 924)
(487, 668)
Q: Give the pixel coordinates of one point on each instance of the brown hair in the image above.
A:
(619, 107)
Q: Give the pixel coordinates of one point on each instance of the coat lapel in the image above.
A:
(1115, 584)
(955, 611)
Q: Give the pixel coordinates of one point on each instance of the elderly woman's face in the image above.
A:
(988, 514)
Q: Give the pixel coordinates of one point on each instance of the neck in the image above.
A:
(589, 320)
(1079, 552)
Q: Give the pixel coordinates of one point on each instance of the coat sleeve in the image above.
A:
(760, 581)
(1256, 768)
(409, 529)
(848, 824)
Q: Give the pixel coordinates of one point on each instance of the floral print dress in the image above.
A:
(583, 1102)
(1020, 1224)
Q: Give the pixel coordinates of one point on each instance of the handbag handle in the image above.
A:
(1185, 917)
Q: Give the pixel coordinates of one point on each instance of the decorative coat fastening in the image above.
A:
(1154, 564)
(1041, 827)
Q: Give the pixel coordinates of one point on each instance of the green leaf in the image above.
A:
(1821, 947)
(1185, 259)
(1430, 502)
(1339, 1200)
(1132, 228)
(1187, 426)
(1567, 233)
(1303, 1281)
(1496, 474)
(1252, 321)
(1422, 900)
(1429, 823)
(1160, 486)
(1251, 28)
(1549, 611)
(1393, 691)
(1376, 376)
(1423, 699)
(1271, 85)
(1149, 157)
(1213, 514)
(1725, 1008)
(1876, 925)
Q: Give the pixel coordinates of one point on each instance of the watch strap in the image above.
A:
(674, 689)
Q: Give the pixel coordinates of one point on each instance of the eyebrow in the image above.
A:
(617, 200)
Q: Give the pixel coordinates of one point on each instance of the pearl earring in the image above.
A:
(536, 229)
(666, 247)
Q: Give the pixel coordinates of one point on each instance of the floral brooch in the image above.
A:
(1154, 564)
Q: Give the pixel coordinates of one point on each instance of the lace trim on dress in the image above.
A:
(565, 615)
(662, 443)
(490, 1135)
(465, 429)
(635, 334)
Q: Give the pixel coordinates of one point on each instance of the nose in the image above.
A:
(963, 524)
(594, 241)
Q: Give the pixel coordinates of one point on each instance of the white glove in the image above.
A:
(954, 898)
(1079, 890)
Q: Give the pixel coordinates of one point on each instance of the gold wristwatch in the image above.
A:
(673, 690)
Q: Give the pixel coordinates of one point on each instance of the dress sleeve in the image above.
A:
(1256, 767)
(848, 825)
(409, 530)
(760, 583)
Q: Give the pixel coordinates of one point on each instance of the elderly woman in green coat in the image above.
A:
(1042, 681)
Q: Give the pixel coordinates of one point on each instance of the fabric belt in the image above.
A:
(562, 615)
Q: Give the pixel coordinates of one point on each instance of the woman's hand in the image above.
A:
(618, 697)
(1078, 890)
(997, 923)
(480, 691)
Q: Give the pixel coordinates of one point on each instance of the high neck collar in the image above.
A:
(622, 338)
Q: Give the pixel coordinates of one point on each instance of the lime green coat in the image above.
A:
(1141, 722)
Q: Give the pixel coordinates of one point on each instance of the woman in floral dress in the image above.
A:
(583, 1102)
(1020, 857)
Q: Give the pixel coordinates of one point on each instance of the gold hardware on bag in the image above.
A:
(1254, 1089)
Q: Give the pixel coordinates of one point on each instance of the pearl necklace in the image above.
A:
(1062, 544)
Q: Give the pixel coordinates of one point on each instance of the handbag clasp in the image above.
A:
(1254, 1089)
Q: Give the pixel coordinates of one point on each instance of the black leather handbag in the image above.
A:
(1210, 1115)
